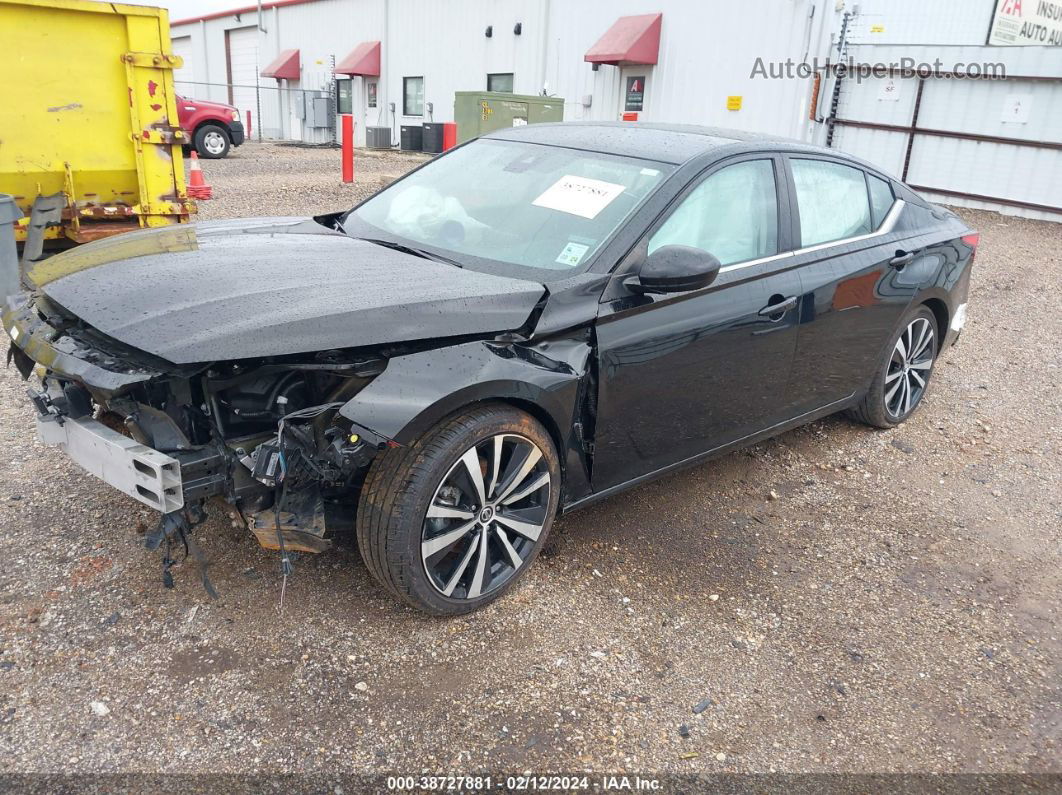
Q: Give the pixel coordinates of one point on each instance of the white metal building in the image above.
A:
(995, 143)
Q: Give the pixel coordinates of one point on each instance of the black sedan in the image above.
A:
(537, 320)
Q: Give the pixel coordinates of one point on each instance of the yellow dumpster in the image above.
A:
(88, 119)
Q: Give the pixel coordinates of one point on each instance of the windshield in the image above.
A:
(516, 204)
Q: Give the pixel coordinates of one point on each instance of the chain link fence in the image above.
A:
(274, 113)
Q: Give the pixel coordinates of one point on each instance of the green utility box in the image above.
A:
(479, 112)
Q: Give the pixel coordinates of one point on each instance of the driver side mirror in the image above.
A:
(674, 269)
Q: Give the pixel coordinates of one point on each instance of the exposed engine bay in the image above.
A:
(265, 436)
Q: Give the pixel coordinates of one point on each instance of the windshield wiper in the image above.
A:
(416, 252)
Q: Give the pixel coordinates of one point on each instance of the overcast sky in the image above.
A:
(180, 9)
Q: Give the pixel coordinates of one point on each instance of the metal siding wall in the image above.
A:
(323, 31)
(707, 53)
(882, 148)
(968, 106)
(988, 169)
(445, 43)
(208, 45)
(974, 106)
(941, 22)
(182, 46)
(1037, 61)
(860, 101)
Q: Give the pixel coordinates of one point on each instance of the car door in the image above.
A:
(853, 280)
(682, 374)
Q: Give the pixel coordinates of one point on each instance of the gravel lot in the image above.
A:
(837, 599)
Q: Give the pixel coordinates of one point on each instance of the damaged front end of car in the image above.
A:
(285, 440)
(263, 435)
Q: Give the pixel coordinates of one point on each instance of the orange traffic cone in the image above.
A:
(197, 187)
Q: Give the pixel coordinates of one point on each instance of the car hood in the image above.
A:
(267, 287)
(205, 104)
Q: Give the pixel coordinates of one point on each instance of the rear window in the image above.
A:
(832, 199)
(881, 199)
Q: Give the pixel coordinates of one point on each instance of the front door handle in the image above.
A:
(901, 259)
(779, 308)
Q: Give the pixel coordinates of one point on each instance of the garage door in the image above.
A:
(185, 76)
(242, 57)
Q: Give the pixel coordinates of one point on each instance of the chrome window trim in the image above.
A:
(886, 227)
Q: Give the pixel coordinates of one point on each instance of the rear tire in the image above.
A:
(903, 372)
(212, 142)
(440, 538)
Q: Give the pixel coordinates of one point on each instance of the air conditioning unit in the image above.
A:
(378, 137)
(412, 138)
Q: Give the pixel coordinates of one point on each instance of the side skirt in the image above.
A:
(716, 452)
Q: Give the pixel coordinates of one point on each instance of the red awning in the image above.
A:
(364, 60)
(284, 67)
(630, 40)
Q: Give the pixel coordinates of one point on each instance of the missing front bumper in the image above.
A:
(146, 475)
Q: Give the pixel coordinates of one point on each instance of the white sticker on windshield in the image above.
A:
(579, 196)
(572, 254)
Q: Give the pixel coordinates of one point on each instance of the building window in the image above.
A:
(500, 82)
(412, 96)
(343, 96)
(370, 90)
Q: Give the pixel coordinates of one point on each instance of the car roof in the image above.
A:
(667, 143)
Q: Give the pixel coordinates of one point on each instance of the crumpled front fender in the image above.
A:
(418, 390)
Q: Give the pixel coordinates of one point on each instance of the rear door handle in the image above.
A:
(780, 307)
(902, 258)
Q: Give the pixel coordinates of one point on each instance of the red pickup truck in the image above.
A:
(214, 127)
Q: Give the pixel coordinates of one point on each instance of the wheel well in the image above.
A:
(543, 417)
(526, 406)
(940, 312)
(211, 123)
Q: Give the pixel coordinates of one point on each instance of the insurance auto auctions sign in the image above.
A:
(1027, 22)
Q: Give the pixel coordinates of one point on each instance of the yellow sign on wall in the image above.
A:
(733, 103)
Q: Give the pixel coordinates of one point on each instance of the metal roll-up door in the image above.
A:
(242, 57)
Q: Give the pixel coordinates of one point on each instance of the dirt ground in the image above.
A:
(836, 599)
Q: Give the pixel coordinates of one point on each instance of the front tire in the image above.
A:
(902, 377)
(212, 142)
(451, 522)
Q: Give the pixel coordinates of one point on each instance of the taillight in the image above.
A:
(972, 240)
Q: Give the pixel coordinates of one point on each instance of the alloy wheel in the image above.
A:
(214, 142)
(908, 369)
(486, 516)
